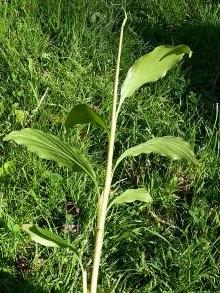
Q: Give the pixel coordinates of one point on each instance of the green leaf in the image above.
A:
(151, 67)
(50, 147)
(131, 195)
(7, 168)
(20, 115)
(46, 237)
(173, 147)
(81, 114)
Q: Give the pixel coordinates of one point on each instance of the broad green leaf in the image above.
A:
(81, 114)
(131, 195)
(173, 147)
(50, 147)
(151, 67)
(46, 237)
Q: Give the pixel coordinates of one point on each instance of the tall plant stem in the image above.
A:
(103, 202)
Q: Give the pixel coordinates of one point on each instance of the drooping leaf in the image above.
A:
(131, 195)
(50, 147)
(46, 237)
(81, 114)
(151, 67)
(173, 147)
(49, 239)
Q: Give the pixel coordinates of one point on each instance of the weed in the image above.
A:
(76, 64)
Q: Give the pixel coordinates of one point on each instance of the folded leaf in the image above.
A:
(131, 195)
(152, 67)
(46, 237)
(50, 147)
(49, 239)
(173, 147)
(81, 114)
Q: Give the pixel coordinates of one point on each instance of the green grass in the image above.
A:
(69, 48)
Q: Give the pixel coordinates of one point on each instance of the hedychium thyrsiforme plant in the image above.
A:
(149, 68)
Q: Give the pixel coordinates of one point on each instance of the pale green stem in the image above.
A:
(84, 276)
(118, 109)
(103, 203)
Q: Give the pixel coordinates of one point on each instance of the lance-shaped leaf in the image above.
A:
(151, 67)
(46, 237)
(49, 239)
(50, 147)
(173, 147)
(131, 195)
(81, 114)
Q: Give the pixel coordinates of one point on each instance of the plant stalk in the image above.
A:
(103, 202)
(84, 276)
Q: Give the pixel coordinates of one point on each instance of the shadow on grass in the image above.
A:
(10, 284)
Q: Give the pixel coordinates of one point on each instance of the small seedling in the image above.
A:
(149, 68)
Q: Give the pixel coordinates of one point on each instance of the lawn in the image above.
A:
(65, 51)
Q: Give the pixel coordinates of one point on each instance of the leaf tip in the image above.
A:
(26, 227)
(7, 137)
